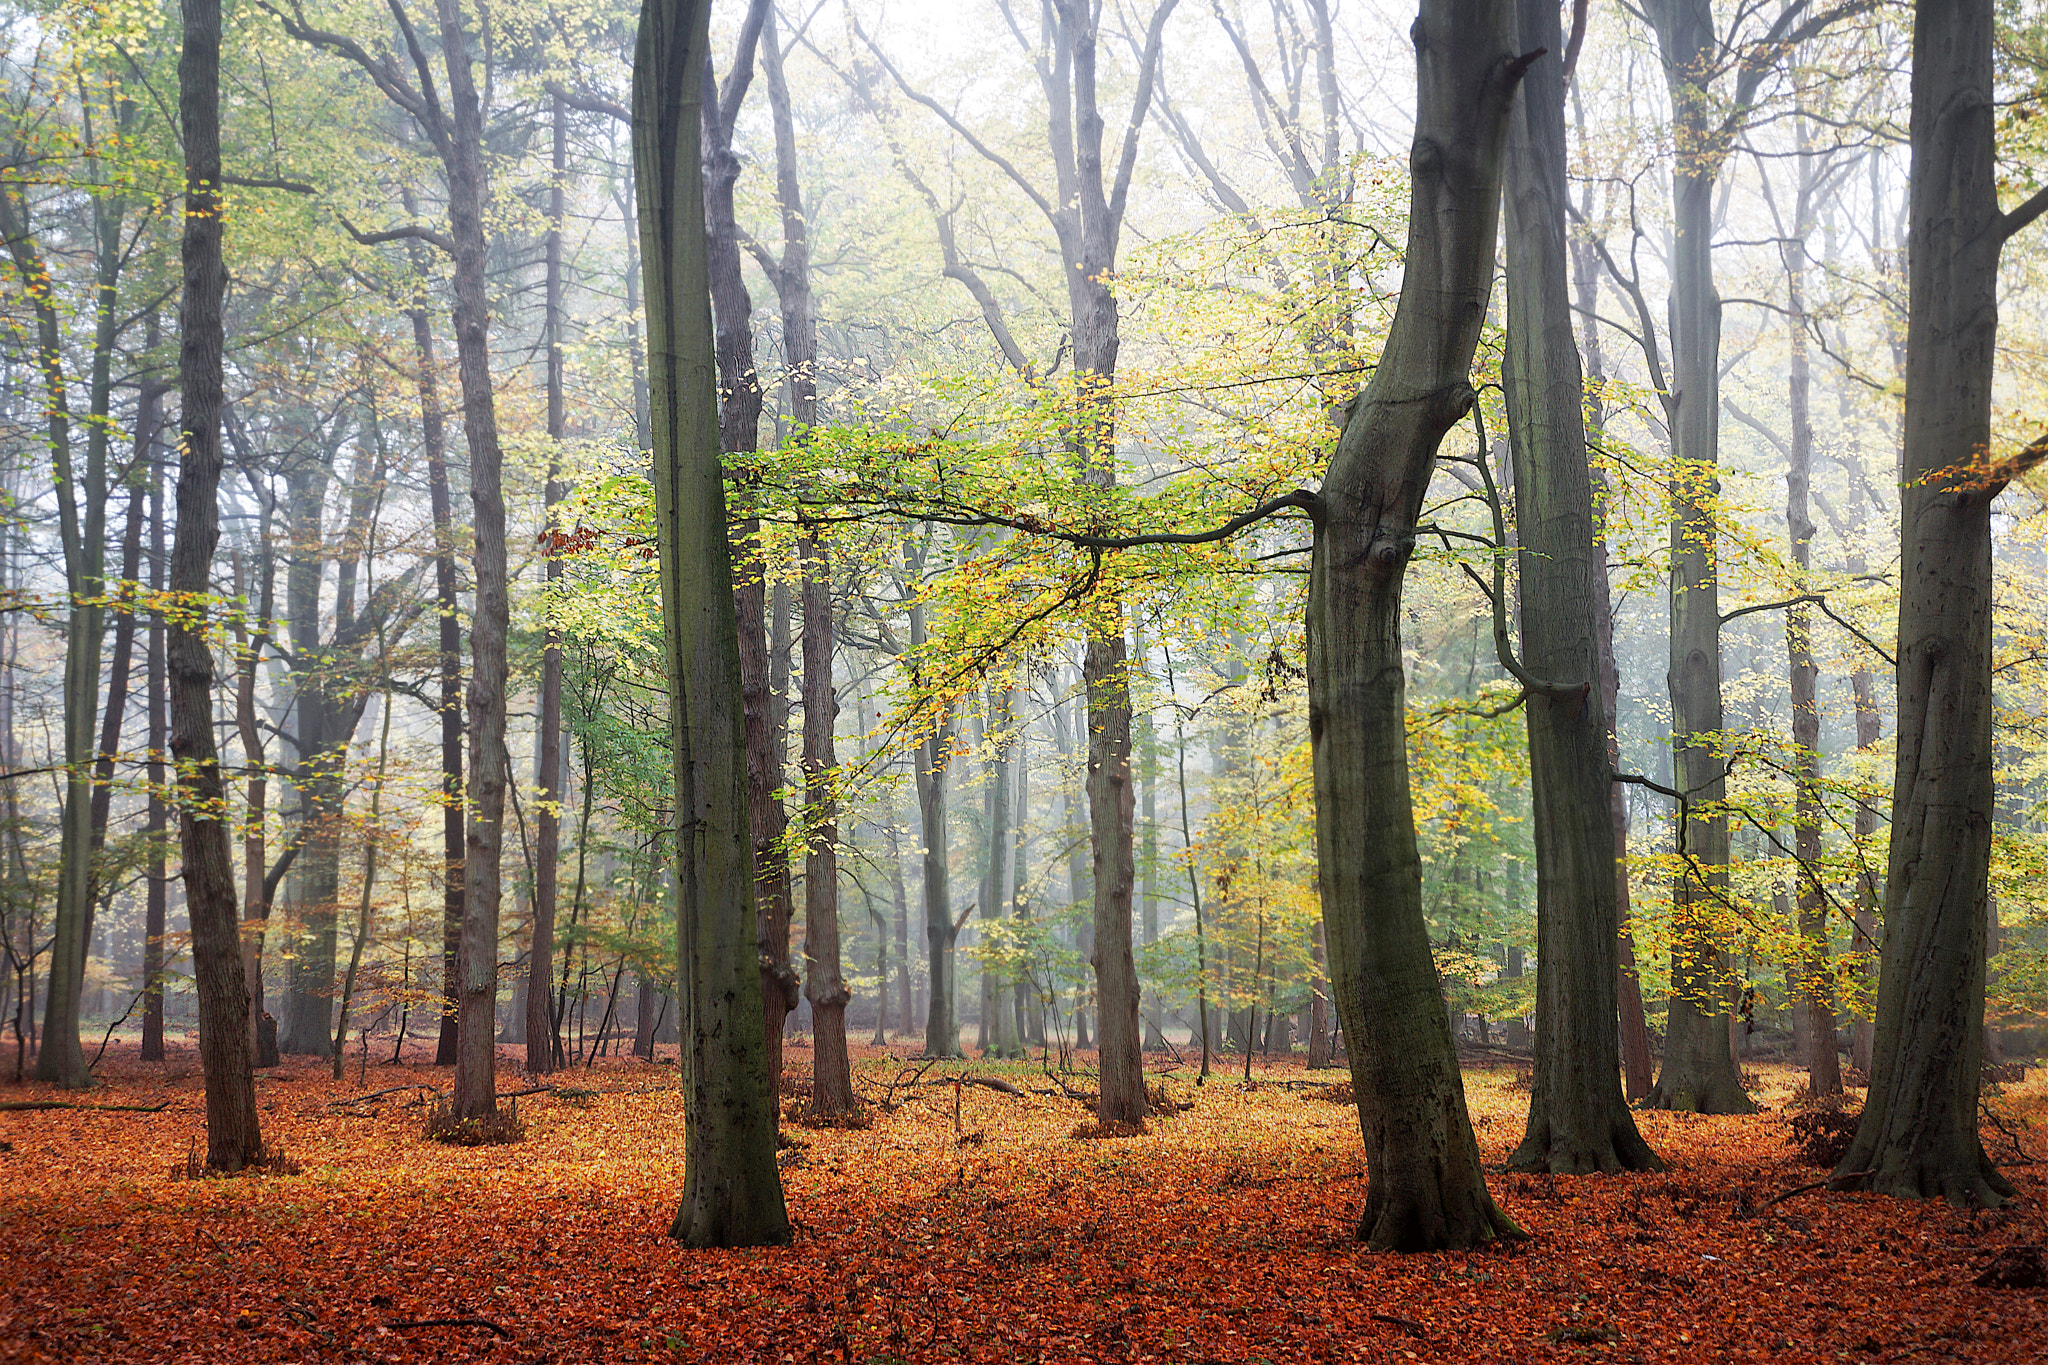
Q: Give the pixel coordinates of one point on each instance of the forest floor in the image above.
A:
(1223, 1234)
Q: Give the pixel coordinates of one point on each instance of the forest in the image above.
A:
(1003, 646)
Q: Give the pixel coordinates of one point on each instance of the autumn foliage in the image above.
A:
(1222, 1234)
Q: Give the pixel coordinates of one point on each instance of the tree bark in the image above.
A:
(732, 1191)
(1426, 1188)
(1699, 1070)
(233, 1139)
(1918, 1136)
(543, 1046)
(475, 1089)
(1578, 1118)
(1815, 1017)
(454, 833)
(157, 902)
(824, 985)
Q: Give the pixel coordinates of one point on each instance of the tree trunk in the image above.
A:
(543, 1047)
(233, 1140)
(81, 523)
(475, 1090)
(824, 986)
(1918, 1137)
(1426, 1188)
(732, 1191)
(997, 885)
(1815, 1020)
(1637, 1066)
(942, 1024)
(454, 835)
(1699, 1066)
(1578, 1119)
(157, 901)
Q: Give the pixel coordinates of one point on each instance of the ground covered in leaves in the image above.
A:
(1222, 1234)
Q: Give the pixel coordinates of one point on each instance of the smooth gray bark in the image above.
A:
(1426, 1187)
(732, 1190)
(1918, 1137)
(1578, 1118)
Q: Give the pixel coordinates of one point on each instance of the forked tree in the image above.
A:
(732, 1190)
(1426, 1187)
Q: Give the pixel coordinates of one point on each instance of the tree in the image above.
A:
(1426, 1187)
(456, 131)
(1918, 1135)
(233, 1138)
(1578, 1118)
(732, 1191)
(543, 1036)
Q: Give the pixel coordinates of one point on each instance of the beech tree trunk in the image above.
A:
(1815, 1018)
(543, 1045)
(1918, 1137)
(732, 1190)
(475, 1090)
(1699, 1070)
(1426, 1187)
(157, 899)
(824, 984)
(1578, 1119)
(233, 1139)
(739, 421)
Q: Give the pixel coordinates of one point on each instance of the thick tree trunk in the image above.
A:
(543, 1047)
(732, 1191)
(739, 423)
(233, 1140)
(1578, 1119)
(475, 1090)
(1918, 1137)
(1426, 1187)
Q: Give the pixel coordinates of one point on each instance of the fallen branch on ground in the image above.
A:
(18, 1106)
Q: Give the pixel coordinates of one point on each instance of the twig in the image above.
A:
(378, 1094)
(1811, 1185)
(1408, 1325)
(409, 1324)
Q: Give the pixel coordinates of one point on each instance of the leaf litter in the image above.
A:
(1222, 1233)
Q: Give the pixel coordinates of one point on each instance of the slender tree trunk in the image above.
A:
(454, 835)
(942, 1025)
(824, 986)
(906, 994)
(1815, 1019)
(477, 968)
(1918, 1137)
(1426, 1188)
(233, 1140)
(157, 899)
(1578, 1119)
(1699, 1066)
(732, 1191)
(541, 1043)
